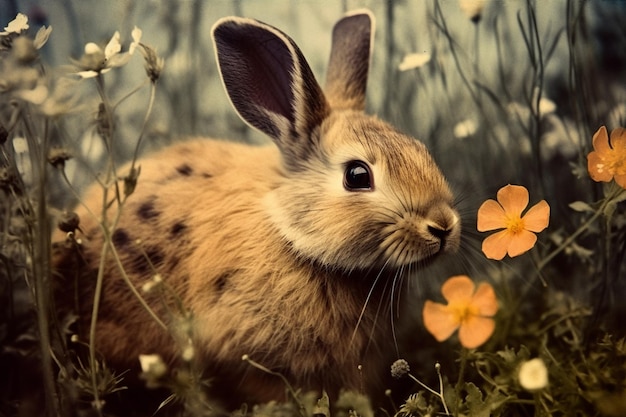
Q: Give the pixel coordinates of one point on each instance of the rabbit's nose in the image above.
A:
(443, 225)
(439, 232)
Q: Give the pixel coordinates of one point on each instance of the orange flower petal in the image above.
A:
(475, 331)
(621, 180)
(439, 320)
(601, 140)
(485, 299)
(594, 161)
(513, 198)
(491, 216)
(537, 217)
(618, 138)
(496, 245)
(458, 288)
(522, 242)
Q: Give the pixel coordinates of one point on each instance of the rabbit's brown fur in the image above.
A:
(270, 253)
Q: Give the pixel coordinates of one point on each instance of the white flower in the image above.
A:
(152, 365)
(97, 61)
(465, 128)
(42, 36)
(473, 8)
(533, 375)
(414, 60)
(136, 35)
(16, 25)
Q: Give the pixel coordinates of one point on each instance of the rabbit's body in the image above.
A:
(284, 253)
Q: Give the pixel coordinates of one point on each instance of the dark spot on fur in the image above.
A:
(222, 280)
(206, 175)
(184, 169)
(155, 255)
(120, 238)
(147, 211)
(173, 263)
(144, 263)
(178, 228)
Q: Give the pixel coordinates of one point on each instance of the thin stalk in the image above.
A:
(39, 228)
(144, 124)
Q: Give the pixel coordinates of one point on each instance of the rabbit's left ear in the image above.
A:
(270, 83)
(346, 78)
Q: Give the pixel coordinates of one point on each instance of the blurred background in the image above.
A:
(500, 91)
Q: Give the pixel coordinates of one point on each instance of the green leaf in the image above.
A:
(322, 408)
(474, 400)
(581, 207)
(478, 407)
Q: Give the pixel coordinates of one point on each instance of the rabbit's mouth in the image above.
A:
(419, 241)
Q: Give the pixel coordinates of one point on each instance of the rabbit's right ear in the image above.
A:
(269, 82)
(346, 78)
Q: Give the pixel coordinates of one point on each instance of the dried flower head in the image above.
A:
(470, 309)
(518, 232)
(68, 222)
(607, 161)
(153, 63)
(400, 368)
(58, 156)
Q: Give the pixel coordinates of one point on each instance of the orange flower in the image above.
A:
(608, 158)
(469, 309)
(518, 234)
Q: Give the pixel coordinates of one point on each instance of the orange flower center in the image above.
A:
(462, 311)
(514, 224)
(614, 162)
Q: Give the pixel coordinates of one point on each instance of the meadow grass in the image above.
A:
(519, 102)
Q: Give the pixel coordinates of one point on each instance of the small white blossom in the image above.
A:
(414, 60)
(473, 9)
(16, 25)
(98, 61)
(465, 128)
(42, 36)
(533, 375)
(152, 365)
(136, 35)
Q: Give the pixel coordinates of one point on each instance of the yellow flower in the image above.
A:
(607, 161)
(518, 234)
(469, 309)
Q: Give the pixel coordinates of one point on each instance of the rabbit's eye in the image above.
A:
(357, 176)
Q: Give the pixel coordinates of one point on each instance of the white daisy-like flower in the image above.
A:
(98, 61)
(16, 25)
(414, 60)
(533, 375)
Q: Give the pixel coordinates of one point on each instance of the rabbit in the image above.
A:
(284, 252)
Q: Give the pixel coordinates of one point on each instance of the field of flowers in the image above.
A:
(523, 105)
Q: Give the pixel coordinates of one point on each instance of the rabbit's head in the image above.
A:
(352, 192)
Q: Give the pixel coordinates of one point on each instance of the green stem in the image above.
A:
(459, 382)
(143, 126)
(608, 200)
